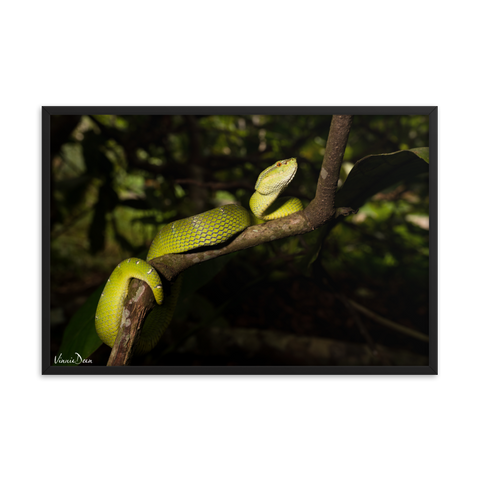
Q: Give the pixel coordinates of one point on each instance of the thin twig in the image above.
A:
(389, 323)
(356, 317)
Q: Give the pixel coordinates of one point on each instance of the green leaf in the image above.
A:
(80, 335)
(375, 173)
(422, 152)
(371, 175)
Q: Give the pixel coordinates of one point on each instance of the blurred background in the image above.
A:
(354, 294)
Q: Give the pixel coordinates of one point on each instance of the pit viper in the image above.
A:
(206, 229)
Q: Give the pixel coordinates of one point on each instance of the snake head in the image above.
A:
(276, 177)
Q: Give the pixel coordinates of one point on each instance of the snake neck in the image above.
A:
(259, 204)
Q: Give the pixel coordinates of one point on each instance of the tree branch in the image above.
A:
(139, 302)
(320, 211)
(324, 202)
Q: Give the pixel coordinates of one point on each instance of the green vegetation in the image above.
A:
(117, 179)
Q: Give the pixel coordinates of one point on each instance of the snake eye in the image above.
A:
(279, 163)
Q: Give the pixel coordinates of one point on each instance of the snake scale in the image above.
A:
(206, 229)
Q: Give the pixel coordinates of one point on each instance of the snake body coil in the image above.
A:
(208, 228)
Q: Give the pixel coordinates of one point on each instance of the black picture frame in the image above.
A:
(431, 369)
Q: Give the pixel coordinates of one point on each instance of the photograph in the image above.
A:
(239, 240)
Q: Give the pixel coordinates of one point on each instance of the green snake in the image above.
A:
(206, 229)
